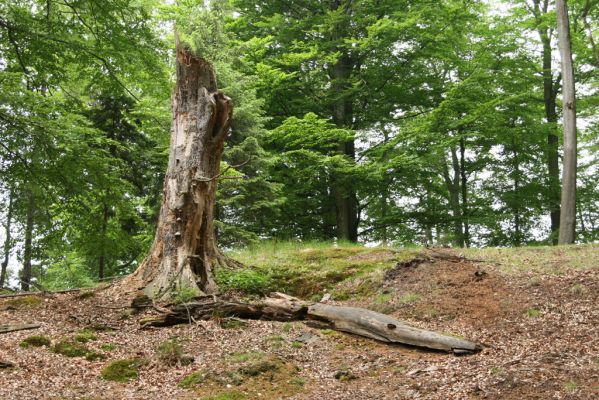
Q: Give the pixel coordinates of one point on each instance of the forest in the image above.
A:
(193, 174)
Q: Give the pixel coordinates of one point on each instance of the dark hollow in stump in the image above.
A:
(280, 307)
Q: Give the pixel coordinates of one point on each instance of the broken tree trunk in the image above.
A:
(184, 251)
(280, 307)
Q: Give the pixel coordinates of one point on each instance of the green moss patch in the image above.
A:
(85, 336)
(35, 341)
(24, 302)
(70, 348)
(121, 370)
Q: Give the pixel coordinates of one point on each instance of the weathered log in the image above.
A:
(280, 307)
(17, 327)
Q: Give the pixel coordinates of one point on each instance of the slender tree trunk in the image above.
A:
(28, 247)
(549, 99)
(102, 258)
(453, 188)
(185, 252)
(568, 203)
(464, 187)
(7, 240)
(515, 201)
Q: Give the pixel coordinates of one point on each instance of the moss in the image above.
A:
(108, 346)
(36, 341)
(121, 370)
(70, 348)
(256, 368)
(85, 336)
(24, 302)
(94, 356)
(193, 379)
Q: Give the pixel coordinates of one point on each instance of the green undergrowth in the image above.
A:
(308, 270)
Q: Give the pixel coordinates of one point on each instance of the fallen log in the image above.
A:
(280, 307)
(17, 327)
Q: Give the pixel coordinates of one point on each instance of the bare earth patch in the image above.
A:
(541, 332)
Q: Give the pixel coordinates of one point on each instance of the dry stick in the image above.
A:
(17, 327)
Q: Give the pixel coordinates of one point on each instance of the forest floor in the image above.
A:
(536, 310)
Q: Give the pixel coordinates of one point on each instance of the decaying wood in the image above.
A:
(184, 252)
(20, 294)
(280, 307)
(17, 327)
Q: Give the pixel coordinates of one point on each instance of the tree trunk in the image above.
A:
(453, 188)
(343, 114)
(464, 187)
(568, 203)
(549, 99)
(102, 258)
(184, 252)
(345, 197)
(28, 250)
(7, 240)
(280, 307)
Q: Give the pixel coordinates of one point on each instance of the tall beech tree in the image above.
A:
(567, 231)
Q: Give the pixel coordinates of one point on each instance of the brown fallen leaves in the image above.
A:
(542, 333)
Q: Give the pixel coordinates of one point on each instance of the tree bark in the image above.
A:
(568, 202)
(184, 251)
(7, 240)
(343, 114)
(28, 250)
(549, 100)
(102, 257)
(453, 188)
(464, 189)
